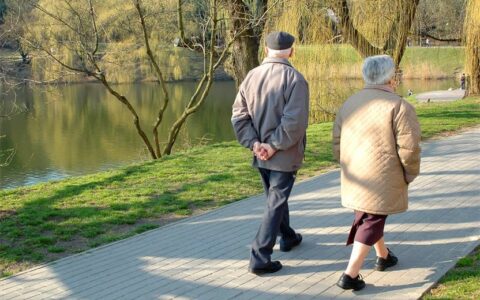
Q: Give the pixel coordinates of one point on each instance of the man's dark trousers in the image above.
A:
(278, 186)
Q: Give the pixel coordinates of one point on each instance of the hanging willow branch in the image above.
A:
(397, 36)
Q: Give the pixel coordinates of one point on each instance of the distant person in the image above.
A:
(427, 42)
(409, 92)
(376, 138)
(270, 117)
(462, 81)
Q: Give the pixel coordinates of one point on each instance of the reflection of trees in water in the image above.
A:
(76, 128)
(8, 109)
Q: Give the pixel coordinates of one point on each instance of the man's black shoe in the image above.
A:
(287, 246)
(348, 283)
(272, 267)
(382, 263)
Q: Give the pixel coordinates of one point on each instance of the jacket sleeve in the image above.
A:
(407, 135)
(336, 134)
(242, 121)
(294, 121)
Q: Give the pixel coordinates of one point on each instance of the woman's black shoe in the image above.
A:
(348, 283)
(382, 263)
(272, 267)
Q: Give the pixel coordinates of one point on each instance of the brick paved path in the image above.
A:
(206, 257)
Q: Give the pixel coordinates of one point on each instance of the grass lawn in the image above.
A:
(51, 220)
(462, 282)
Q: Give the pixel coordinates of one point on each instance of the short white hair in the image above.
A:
(279, 53)
(378, 69)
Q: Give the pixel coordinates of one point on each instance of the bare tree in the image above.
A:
(440, 20)
(80, 24)
(243, 25)
(245, 17)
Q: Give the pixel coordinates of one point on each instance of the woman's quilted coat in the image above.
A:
(376, 138)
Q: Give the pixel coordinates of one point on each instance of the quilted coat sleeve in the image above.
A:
(407, 134)
(337, 130)
(242, 121)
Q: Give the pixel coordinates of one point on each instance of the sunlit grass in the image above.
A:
(436, 118)
(47, 221)
(462, 282)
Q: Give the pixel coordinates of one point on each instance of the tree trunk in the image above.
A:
(136, 119)
(351, 34)
(244, 53)
(472, 46)
(395, 45)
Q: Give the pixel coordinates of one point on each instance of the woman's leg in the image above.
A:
(367, 230)
(359, 252)
(380, 248)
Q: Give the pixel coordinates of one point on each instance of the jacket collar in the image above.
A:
(274, 60)
(383, 87)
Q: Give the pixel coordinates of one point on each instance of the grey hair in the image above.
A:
(378, 69)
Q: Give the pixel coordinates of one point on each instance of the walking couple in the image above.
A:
(376, 139)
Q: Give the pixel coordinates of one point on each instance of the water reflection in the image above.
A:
(78, 129)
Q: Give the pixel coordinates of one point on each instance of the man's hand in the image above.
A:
(259, 151)
(269, 149)
(263, 151)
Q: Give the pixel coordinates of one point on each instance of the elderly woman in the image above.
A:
(376, 138)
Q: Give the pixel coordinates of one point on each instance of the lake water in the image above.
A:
(68, 130)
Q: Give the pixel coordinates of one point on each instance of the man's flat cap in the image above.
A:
(279, 40)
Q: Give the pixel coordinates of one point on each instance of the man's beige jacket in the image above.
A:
(272, 107)
(376, 138)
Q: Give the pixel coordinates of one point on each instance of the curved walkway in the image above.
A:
(441, 96)
(206, 257)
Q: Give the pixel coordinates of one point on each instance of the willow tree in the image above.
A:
(388, 31)
(371, 27)
(472, 45)
(73, 28)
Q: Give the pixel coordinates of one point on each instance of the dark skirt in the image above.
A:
(366, 228)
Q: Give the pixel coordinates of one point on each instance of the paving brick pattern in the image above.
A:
(206, 257)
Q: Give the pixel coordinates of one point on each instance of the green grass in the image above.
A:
(47, 221)
(462, 282)
(437, 118)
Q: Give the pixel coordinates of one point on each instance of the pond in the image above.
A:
(67, 130)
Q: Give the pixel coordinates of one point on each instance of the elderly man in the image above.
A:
(270, 117)
(376, 138)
